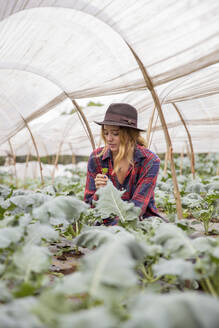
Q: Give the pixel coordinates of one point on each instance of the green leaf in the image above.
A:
(188, 309)
(2, 268)
(32, 258)
(196, 187)
(192, 200)
(25, 289)
(107, 271)
(30, 200)
(96, 236)
(174, 241)
(204, 244)
(152, 251)
(110, 202)
(150, 224)
(175, 267)
(215, 252)
(10, 235)
(112, 266)
(5, 295)
(5, 191)
(50, 306)
(18, 314)
(5, 206)
(214, 186)
(104, 170)
(63, 207)
(88, 318)
(72, 284)
(37, 231)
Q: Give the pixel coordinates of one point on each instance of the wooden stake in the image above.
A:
(73, 158)
(192, 157)
(166, 162)
(188, 152)
(152, 134)
(34, 171)
(36, 149)
(14, 162)
(181, 161)
(217, 173)
(88, 129)
(150, 128)
(26, 165)
(47, 154)
(150, 86)
(56, 160)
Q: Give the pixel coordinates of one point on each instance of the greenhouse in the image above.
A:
(77, 254)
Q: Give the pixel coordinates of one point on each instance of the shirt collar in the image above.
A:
(107, 154)
(138, 154)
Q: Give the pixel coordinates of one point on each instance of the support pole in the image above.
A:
(166, 160)
(26, 165)
(56, 160)
(73, 157)
(152, 134)
(181, 161)
(192, 158)
(36, 149)
(150, 128)
(88, 129)
(188, 152)
(217, 173)
(46, 154)
(150, 86)
(14, 162)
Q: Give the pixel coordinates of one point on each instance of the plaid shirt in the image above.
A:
(139, 182)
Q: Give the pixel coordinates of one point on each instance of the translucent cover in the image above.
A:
(52, 52)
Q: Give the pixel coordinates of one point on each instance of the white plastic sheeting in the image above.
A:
(75, 49)
(65, 134)
(24, 95)
(31, 169)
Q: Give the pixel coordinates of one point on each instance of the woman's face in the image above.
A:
(111, 134)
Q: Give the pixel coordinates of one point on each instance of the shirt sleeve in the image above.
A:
(93, 168)
(146, 184)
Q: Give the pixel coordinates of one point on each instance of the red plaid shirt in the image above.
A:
(139, 182)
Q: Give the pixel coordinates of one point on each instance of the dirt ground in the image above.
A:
(66, 258)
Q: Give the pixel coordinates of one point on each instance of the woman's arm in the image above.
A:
(92, 170)
(95, 178)
(146, 184)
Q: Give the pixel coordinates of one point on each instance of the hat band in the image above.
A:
(120, 119)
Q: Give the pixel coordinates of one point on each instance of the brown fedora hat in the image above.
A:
(121, 114)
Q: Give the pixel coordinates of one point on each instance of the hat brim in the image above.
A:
(118, 124)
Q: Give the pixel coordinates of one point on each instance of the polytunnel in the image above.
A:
(58, 52)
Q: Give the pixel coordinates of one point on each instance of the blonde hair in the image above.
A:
(129, 138)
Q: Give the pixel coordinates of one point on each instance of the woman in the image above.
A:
(129, 164)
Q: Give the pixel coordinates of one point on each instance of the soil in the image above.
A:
(66, 257)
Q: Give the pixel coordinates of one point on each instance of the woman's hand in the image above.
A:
(100, 180)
